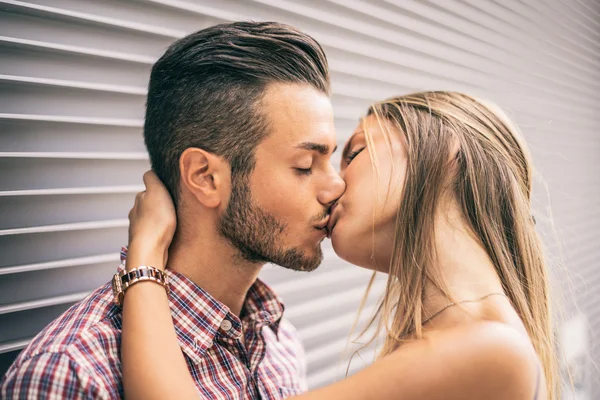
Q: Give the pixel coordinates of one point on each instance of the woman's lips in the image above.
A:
(332, 219)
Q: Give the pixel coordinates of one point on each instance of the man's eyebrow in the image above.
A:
(318, 147)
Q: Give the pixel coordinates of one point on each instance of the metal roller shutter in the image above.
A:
(73, 76)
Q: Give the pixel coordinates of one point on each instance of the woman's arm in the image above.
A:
(494, 362)
(153, 365)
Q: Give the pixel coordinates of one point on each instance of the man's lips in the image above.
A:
(323, 224)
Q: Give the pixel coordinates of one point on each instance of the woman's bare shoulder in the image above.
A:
(481, 361)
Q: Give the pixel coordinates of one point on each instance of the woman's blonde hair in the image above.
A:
(490, 172)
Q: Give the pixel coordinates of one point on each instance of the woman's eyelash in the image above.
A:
(353, 154)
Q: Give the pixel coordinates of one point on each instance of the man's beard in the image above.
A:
(257, 234)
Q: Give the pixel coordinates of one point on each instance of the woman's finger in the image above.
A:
(151, 180)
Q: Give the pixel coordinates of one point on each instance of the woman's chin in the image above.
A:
(341, 245)
(347, 248)
(352, 249)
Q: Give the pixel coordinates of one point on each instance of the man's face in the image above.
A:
(279, 213)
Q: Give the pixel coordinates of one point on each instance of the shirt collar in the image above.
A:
(263, 307)
(198, 317)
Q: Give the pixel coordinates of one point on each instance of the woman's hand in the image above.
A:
(152, 224)
(153, 364)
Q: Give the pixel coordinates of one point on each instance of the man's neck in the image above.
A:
(213, 264)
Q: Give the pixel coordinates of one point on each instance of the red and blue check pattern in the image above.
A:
(77, 355)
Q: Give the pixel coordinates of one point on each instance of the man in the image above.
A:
(239, 126)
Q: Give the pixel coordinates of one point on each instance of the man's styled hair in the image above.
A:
(206, 92)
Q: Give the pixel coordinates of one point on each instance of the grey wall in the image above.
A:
(72, 84)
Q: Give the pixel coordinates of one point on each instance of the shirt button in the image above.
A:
(265, 315)
(226, 325)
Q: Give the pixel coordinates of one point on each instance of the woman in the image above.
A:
(466, 308)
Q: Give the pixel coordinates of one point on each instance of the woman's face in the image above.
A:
(362, 222)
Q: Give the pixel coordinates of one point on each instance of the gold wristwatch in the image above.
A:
(125, 279)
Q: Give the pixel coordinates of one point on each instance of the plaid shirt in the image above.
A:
(77, 356)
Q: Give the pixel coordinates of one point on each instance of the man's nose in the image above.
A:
(333, 189)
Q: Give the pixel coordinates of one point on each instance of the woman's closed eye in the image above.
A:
(352, 155)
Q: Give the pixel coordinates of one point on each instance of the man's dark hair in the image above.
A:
(206, 92)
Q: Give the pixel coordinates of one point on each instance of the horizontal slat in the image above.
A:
(74, 84)
(28, 323)
(321, 332)
(53, 301)
(322, 357)
(117, 223)
(77, 156)
(40, 136)
(338, 368)
(275, 275)
(50, 100)
(327, 279)
(134, 17)
(42, 284)
(318, 289)
(65, 263)
(136, 123)
(351, 359)
(69, 66)
(69, 15)
(29, 174)
(73, 191)
(344, 298)
(45, 247)
(115, 55)
(202, 10)
(6, 347)
(34, 211)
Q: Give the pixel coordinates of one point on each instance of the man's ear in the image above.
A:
(204, 175)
